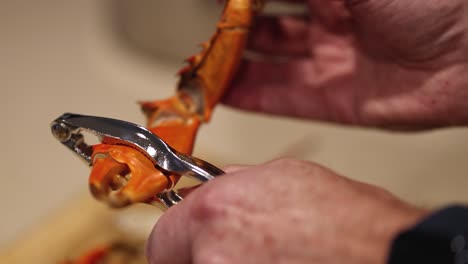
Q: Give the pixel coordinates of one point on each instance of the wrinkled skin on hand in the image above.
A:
(285, 211)
(386, 63)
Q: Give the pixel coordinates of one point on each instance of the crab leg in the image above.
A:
(121, 175)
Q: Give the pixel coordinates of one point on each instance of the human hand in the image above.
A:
(285, 211)
(384, 63)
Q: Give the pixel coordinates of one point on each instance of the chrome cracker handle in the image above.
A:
(68, 130)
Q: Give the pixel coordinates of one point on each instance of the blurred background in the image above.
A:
(100, 58)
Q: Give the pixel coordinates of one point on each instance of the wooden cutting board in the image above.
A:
(81, 226)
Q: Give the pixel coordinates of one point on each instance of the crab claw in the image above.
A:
(122, 175)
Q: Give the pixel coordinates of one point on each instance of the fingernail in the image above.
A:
(235, 167)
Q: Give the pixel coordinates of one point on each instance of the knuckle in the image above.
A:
(301, 169)
(210, 205)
